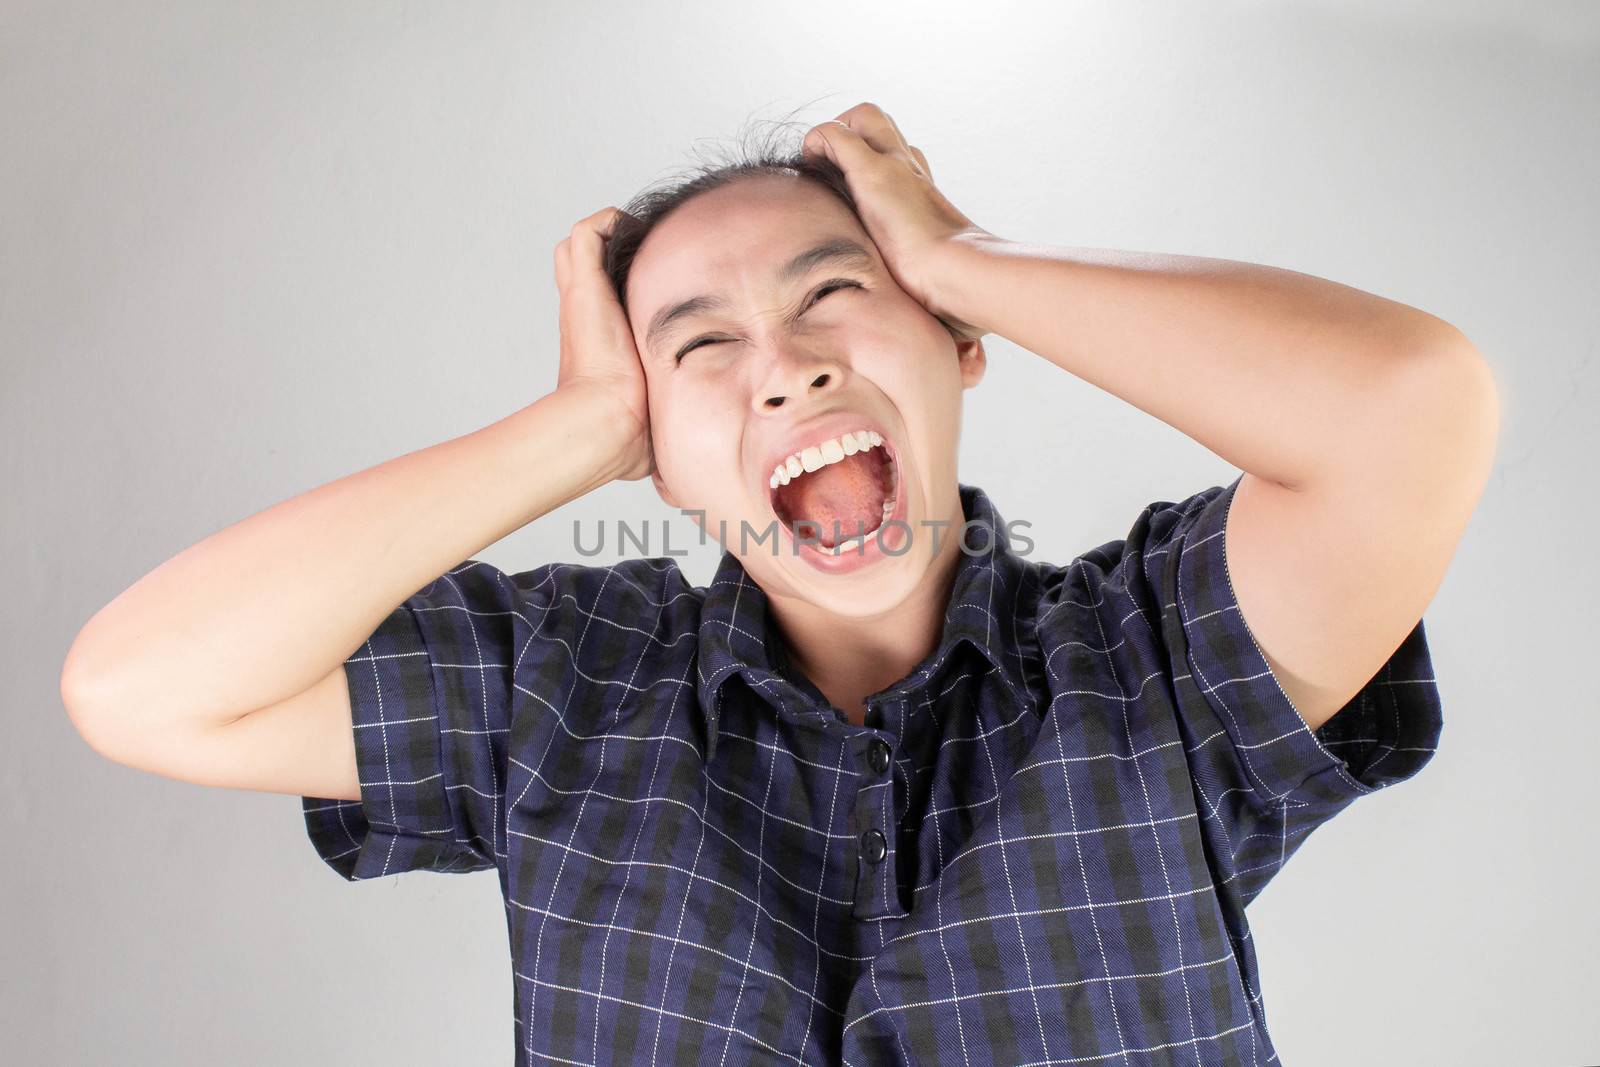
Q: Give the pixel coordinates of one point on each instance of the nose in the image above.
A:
(798, 374)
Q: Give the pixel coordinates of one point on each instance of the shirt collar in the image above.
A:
(735, 636)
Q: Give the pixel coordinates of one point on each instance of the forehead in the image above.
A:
(731, 238)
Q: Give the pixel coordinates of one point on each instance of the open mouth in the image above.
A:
(841, 504)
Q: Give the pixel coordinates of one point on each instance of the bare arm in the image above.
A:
(1366, 428)
(225, 665)
(264, 611)
(1279, 373)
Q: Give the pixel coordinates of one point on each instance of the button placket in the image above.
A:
(876, 895)
(880, 756)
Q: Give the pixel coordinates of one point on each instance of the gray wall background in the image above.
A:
(249, 249)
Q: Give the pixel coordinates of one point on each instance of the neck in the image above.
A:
(848, 658)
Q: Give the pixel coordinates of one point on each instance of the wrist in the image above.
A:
(950, 280)
(609, 426)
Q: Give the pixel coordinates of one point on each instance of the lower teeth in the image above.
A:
(850, 543)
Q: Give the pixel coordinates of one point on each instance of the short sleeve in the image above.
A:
(431, 708)
(1263, 778)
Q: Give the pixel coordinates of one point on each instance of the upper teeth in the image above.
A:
(821, 454)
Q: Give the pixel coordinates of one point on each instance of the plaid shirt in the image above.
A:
(1038, 850)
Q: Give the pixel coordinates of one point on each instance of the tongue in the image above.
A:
(850, 492)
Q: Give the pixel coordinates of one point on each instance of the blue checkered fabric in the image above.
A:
(1038, 850)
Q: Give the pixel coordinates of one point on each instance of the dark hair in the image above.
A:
(749, 158)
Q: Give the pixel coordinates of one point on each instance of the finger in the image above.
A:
(587, 239)
(597, 220)
(563, 259)
(590, 230)
(842, 145)
(603, 221)
(878, 129)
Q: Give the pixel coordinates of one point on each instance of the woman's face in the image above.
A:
(786, 361)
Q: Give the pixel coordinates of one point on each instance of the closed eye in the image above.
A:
(821, 291)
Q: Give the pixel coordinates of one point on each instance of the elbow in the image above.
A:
(75, 699)
(1441, 369)
(1448, 418)
(84, 707)
(1469, 387)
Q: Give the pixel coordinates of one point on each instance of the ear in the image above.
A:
(973, 361)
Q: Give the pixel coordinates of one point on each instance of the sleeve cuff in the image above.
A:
(403, 821)
(1385, 733)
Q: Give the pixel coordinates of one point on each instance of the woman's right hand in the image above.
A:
(597, 349)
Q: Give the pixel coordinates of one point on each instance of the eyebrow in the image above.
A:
(841, 251)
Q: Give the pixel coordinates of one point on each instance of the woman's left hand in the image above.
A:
(914, 226)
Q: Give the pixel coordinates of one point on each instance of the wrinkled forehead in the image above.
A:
(730, 238)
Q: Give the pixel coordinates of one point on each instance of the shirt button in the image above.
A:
(878, 755)
(874, 846)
